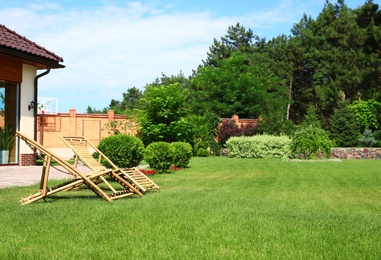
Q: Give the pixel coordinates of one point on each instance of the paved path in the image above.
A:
(27, 175)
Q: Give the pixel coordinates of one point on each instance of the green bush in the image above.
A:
(202, 152)
(159, 156)
(199, 145)
(259, 146)
(125, 151)
(311, 142)
(182, 154)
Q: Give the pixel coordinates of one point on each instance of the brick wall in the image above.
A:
(27, 159)
(92, 126)
(239, 122)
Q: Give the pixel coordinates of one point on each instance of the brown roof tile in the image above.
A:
(15, 41)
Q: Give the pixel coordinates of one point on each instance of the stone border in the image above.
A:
(356, 153)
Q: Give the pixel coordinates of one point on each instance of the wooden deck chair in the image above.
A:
(93, 179)
(81, 148)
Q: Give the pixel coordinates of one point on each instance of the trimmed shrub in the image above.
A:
(182, 154)
(125, 151)
(202, 152)
(311, 142)
(259, 146)
(159, 156)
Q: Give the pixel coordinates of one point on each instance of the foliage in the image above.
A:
(341, 58)
(182, 154)
(205, 132)
(344, 129)
(200, 145)
(367, 139)
(288, 128)
(202, 152)
(238, 38)
(131, 101)
(125, 151)
(183, 131)
(259, 146)
(238, 87)
(311, 142)
(228, 129)
(249, 129)
(162, 118)
(159, 156)
(121, 126)
(7, 138)
(366, 113)
(311, 118)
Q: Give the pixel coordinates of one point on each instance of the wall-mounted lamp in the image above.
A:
(31, 105)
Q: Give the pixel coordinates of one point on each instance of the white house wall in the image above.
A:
(26, 96)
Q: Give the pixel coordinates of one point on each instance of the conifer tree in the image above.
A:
(344, 128)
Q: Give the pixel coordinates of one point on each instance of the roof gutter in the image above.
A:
(35, 99)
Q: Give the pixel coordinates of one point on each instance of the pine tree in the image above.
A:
(311, 119)
(344, 128)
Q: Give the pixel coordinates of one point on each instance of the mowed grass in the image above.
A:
(218, 208)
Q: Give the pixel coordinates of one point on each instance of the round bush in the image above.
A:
(203, 152)
(125, 151)
(159, 156)
(182, 154)
(310, 142)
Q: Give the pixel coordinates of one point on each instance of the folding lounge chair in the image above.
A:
(91, 179)
(81, 148)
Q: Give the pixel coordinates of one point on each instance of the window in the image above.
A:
(9, 103)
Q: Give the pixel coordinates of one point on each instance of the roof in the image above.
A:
(16, 45)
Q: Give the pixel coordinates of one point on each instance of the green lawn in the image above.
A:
(218, 208)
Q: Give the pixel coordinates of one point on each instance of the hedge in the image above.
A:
(259, 146)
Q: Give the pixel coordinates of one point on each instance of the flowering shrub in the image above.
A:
(152, 172)
(148, 172)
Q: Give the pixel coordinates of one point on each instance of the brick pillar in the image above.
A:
(111, 115)
(73, 122)
(236, 119)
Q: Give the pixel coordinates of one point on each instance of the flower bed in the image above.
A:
(152, 172)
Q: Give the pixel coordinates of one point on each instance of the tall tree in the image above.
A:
(236, 39)
(235, 86)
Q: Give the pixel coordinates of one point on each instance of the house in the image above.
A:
(21, 61)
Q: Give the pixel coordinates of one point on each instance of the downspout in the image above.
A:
(35, 99)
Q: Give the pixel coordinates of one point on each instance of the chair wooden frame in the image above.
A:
(81, 148)
(91, 179)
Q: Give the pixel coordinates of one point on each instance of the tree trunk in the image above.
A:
(289, 104)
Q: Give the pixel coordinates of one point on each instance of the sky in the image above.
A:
(109, 46)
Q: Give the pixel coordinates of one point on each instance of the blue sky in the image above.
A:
(109, 46)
